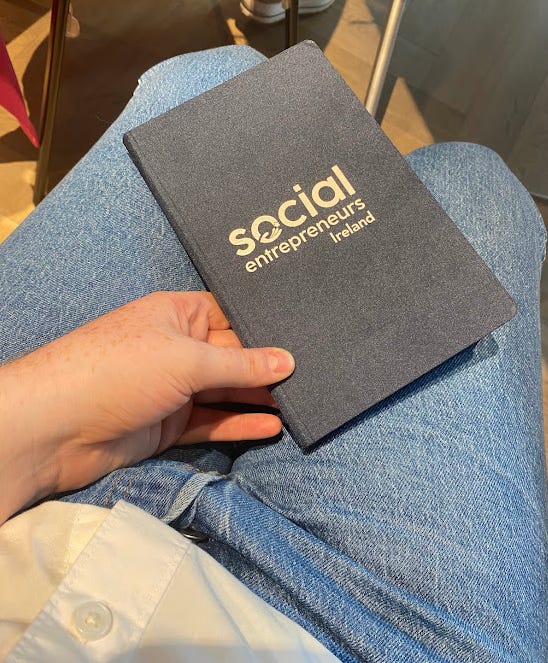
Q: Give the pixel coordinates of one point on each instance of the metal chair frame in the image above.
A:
(50, 94)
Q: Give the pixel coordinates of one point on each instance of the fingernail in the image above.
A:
(280, 361)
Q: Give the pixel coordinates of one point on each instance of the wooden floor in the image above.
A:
(461, 70)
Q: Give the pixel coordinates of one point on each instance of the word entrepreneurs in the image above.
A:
(294, 242)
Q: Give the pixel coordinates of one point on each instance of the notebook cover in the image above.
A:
(313, 234)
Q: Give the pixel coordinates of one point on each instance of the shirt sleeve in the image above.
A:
(140, 591)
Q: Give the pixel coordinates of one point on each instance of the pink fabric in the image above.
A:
(10, 95)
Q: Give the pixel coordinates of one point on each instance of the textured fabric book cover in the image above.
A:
(313, 234)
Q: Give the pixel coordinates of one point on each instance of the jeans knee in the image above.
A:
(481, 194)
(174, 81)
(194, 71)
(477, 163)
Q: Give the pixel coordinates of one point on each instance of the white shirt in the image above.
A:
(83, 583)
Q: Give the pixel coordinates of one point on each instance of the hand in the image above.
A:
(127, 386)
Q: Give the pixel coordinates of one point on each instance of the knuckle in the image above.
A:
(252, 368)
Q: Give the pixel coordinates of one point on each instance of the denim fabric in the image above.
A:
(415, 533)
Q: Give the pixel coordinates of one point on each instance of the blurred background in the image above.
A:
(461, 70)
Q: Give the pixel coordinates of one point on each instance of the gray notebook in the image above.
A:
(313, 234)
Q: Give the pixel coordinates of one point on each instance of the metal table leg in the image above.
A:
(384, 54)
(54, 61)
(291, 22)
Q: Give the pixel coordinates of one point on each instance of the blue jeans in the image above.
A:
(417, 532)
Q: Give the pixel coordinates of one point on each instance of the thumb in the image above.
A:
(217, 367)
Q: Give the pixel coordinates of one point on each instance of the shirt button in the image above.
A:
(92, 620)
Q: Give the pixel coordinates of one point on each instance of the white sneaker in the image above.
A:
(272, 11)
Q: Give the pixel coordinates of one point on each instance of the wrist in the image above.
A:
(28, 448)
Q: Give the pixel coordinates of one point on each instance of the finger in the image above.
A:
(260, 396)
(172, 428)
(214, 367)
(225, 338)
(205, 301)
(257, 396)
(207, 425)
(217, 319)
